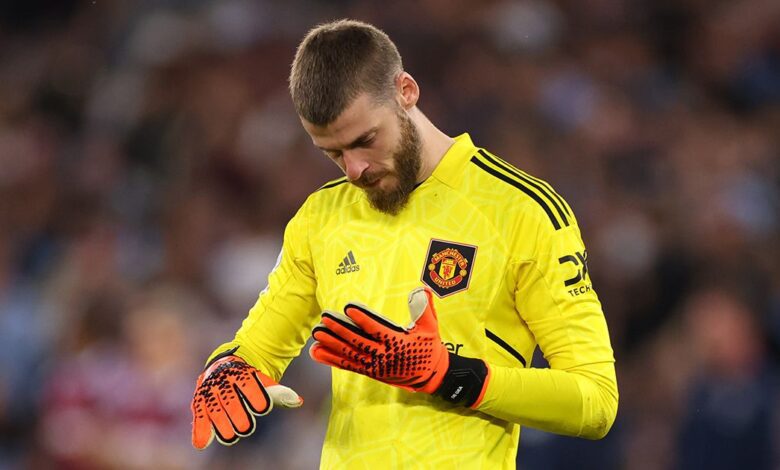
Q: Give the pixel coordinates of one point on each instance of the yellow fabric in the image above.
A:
(513, 295)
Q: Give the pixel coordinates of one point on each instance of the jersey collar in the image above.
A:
(450, 169)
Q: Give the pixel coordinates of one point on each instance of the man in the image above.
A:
(498, 252)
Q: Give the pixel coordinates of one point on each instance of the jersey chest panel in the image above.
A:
(451, 247)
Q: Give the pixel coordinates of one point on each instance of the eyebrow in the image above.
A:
(362, 138)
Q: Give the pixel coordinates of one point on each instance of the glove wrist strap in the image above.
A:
(219, 356)
(464, 380)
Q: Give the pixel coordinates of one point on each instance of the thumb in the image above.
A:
(421, 309)
(279, 394)
(284, 396)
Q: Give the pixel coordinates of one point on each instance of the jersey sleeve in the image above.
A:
(280, 322)
(578, 394)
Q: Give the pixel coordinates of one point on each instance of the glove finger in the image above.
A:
(338, 346)
(237, 411)
(325, 356)
(220, 422)
(202, 434)
(255, 396)
(284, 396)
(279, 394)
(422, 311)
(323, 333)
(370, 322)
(345, 329)
(330, 339)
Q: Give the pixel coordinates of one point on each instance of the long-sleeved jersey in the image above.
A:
(504, 255)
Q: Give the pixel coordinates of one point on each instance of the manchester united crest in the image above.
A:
(448, 267)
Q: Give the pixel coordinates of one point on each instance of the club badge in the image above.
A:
(448, 267)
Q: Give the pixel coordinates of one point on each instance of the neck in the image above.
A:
(435, 143)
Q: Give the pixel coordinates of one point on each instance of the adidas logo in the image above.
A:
(349, 265)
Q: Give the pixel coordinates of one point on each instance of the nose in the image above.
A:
(354, 166)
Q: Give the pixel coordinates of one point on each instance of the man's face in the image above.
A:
(377, 147)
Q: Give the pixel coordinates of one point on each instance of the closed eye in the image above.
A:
(364, 141)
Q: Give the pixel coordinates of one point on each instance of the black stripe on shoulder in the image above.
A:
(519, 186)
(333, 184)
(535, 182)
(557, 196)
(544, 183)
(492, 336)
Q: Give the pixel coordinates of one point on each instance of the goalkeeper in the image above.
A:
(427, 276)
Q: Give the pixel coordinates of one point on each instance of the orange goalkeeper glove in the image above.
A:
(228, 395)
(412, 358)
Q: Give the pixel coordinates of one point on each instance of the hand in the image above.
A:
(228, 396)
(412, 358)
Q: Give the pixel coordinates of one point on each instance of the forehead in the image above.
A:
(362, 114)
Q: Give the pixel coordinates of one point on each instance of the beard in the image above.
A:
(407, 161)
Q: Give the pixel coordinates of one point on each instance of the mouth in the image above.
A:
(370, 183)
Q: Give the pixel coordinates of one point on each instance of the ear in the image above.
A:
(408, 90)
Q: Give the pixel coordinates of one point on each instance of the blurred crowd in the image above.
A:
(150, 158)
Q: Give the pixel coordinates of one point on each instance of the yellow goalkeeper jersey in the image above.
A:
(504, 255)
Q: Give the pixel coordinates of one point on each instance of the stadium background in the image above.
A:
(150, 156)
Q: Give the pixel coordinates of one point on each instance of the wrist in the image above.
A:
(219, 358)
(464, 382)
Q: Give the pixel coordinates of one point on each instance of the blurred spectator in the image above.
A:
(124, 385)
(730, 416)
